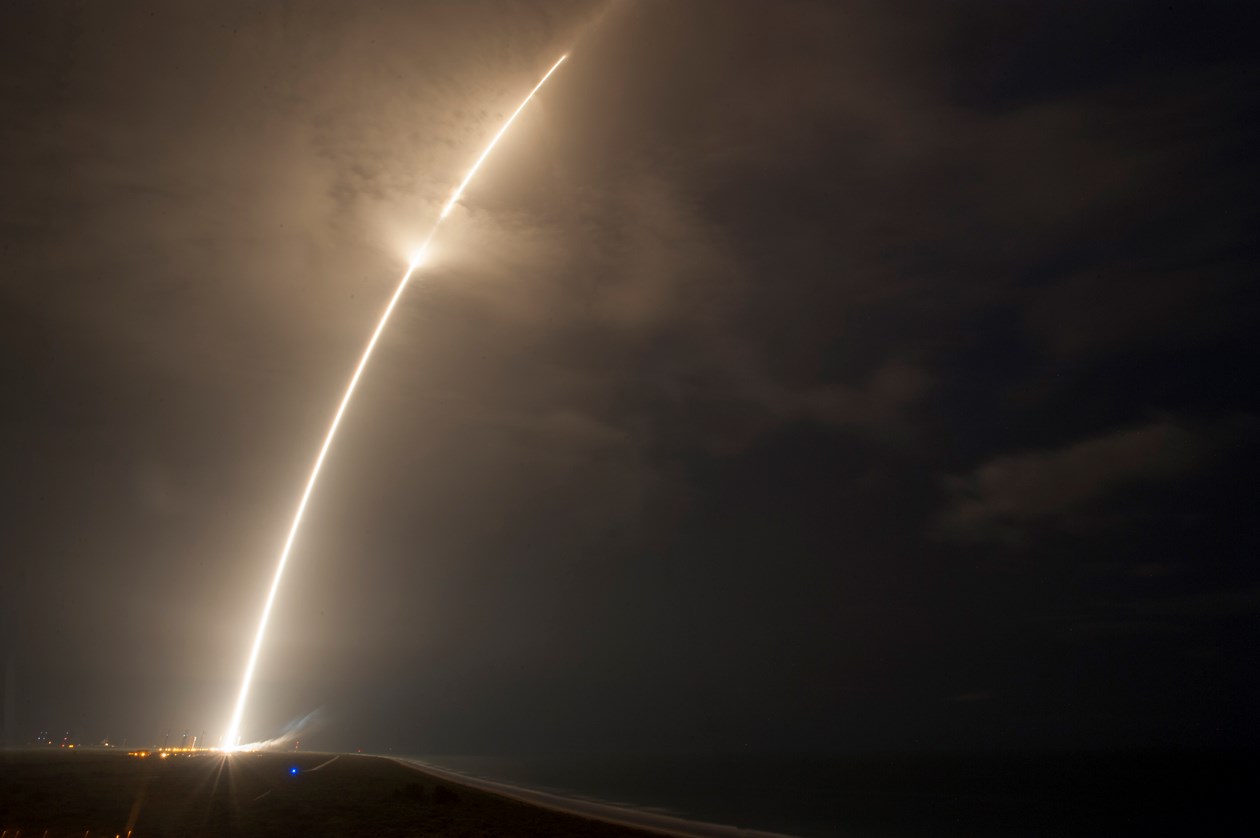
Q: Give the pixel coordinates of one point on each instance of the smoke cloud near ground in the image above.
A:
(291, 734)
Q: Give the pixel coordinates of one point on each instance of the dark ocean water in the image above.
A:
(1058, 794)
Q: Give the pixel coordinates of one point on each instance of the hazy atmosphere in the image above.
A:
(794, 377)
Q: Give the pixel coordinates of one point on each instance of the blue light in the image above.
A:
(293, 770)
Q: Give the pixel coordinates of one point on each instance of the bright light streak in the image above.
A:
(231, 741)
(459, 191)
(233, 733)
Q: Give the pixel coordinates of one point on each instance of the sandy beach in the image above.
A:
(596, 810)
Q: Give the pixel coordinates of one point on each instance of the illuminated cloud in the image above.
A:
(1006, 497)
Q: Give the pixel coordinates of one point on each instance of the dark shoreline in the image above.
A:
(595, 810)
(993, 794)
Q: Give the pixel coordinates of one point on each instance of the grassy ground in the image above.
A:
(106, 793)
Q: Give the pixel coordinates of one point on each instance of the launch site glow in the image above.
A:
(231, 739)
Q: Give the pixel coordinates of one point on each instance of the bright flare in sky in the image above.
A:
(232, 738)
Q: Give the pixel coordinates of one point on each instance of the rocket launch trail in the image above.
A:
(232, 736)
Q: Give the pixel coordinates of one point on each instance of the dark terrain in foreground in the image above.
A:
(110, 793)
(106, 793)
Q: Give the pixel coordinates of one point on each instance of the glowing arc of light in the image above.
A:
(239, 711)
(459, 191)
(231, 738)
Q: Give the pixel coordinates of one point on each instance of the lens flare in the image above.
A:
(419, 257)
(231, 739)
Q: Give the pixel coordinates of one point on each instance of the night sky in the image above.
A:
(794, 377)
